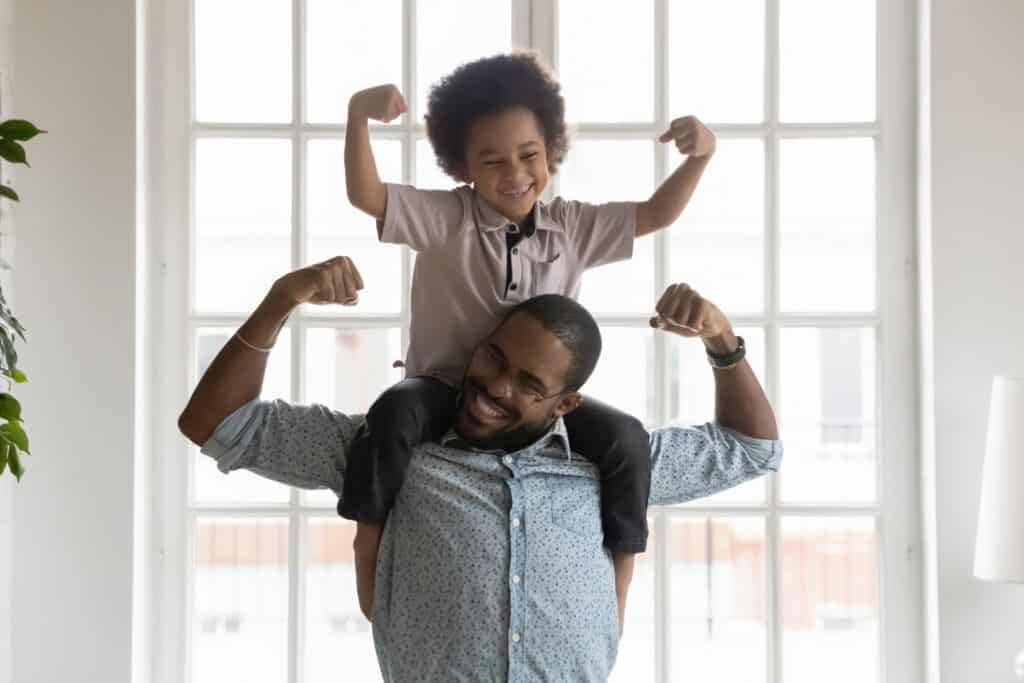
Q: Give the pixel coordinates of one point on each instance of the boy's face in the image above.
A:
(507, 161)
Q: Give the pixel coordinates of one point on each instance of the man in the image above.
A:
(491, 565)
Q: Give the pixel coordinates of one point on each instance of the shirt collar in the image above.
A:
(556, 437)
(490, 219)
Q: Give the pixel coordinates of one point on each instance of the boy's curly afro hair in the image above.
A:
(490, 86)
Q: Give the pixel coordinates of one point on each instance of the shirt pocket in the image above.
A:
(547, 275)
(575, 504)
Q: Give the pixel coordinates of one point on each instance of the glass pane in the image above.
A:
(827, 60)
(429, 175)
(243, 230)
(827, 200)
(829, 600)
(452, 32)
(624, 376)
(240, 601)
(731, 37)
(339, 642)
(336, 228)
(693, 399)
(719, 605)
(827, 414)
(718, 242)
(620, 287)
(635, 661)
(351, 45)
(606, 60)
(245, 75)
(210, 485)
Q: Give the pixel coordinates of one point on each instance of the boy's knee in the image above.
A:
(630, 436)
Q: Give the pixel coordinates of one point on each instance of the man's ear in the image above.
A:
(568, 403)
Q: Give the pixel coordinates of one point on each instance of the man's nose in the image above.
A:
(500, 386)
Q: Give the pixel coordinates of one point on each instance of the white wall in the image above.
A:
(6, 481)
(977, 168)
(75, 279)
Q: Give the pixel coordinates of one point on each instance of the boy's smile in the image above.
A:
(506, 161)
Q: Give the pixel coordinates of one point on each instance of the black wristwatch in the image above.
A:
(729, 360)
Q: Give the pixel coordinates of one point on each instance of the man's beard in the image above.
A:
(510, 440)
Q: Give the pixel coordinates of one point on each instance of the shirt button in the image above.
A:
(507, 460)
(515, 521)
(514, 287)
(515, 250)
(513, 228)
(515, 579)
(515, 637)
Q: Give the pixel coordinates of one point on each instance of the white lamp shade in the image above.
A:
(999, 553)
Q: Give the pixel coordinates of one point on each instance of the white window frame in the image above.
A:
(169, 132)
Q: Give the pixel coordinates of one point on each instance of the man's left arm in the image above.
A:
(743, 441)
(661, 210)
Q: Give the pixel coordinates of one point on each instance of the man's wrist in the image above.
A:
(723, 343)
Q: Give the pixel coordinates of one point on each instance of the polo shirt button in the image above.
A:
(515, 637)
(514, 287)
(515, 250)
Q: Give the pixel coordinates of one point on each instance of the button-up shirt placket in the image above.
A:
(517, 670)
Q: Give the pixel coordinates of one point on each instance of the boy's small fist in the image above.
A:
(381, 103)
(691, 136)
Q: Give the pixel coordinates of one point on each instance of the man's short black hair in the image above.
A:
(574, 326)
(490, 86)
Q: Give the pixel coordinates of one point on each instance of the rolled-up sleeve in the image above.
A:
(302, 446)
(693, 462)
(420, 219)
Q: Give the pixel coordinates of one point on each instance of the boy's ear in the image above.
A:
(568, 403)
(462, 173)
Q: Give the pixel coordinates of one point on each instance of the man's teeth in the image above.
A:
(486, 409)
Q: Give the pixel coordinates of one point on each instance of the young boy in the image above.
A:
(498, 125)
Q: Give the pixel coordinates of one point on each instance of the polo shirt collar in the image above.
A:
(490, 219)
(556, 437)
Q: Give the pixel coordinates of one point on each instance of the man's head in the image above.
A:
(528, 373)
(499, 123)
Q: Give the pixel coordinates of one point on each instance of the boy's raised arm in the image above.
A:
(366, 192)
(661, 210)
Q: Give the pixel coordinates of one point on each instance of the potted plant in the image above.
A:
(13, 439)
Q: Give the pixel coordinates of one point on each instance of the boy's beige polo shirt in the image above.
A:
(459, 292)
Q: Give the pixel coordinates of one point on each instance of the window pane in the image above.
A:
(243, 75)
(827, 414)
(606, 60)
(335, 227)
(210, 485)
(829, 600)
(351, 45)
(693, 398)
(243, 221)
(729, 35)
(718, 242)
(240, 601)
(338, 639)
(718, 606)
(624, 376)
(429, 175)
(635, 661)
(452, 32)
(627, 286)
(827, 200)
(827, 60)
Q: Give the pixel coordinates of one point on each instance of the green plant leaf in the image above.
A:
(3, 457)
(10, 356)
(10, 409)
(15, 374)
(14, 460)
(13, 152)
(17, 436)
(9, 193)
(8, 318)
(19, 129)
